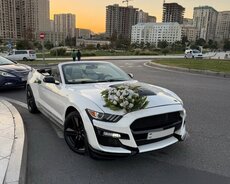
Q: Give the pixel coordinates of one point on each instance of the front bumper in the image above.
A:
(127, 143)
(9, 82)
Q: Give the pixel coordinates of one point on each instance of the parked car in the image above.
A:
(135, 118)
(193, 54)
(19, 55)
(12, 74)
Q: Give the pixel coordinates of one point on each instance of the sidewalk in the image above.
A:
(12, 145)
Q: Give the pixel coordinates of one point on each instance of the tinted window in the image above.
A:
(20, 52)
(32, 52)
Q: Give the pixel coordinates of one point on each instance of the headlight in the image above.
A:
(5, 74)
(103, 116)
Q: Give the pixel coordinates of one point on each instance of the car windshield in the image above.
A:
(81, 73)
(4, 61)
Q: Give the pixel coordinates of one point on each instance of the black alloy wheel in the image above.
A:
(30, 101)
(25, 59)
(74, 133)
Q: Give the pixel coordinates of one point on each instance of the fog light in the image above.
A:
(110, 134)
(8, 83)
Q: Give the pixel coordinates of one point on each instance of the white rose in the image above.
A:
(121, 97)
(116, 98)
(121, 104)
(131, 105)
(114, 102)
(118, 93)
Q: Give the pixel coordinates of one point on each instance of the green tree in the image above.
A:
(226, 45)
(165, 51)
(38, 45)
(163, 44)
(24, 44)
(48, 45)
(200, 42)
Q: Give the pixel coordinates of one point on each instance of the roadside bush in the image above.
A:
(88, 54)
(59, 51)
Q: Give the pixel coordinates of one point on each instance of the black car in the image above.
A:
(12, 74)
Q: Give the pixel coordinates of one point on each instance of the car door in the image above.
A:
(53, 97)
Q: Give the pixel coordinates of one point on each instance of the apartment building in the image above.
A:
(119, 20)
(205, 20)
(65, 23)
(8, 29)
(155, 32)
(223, 26)
(173, 12)
(144, 17)
(190, 32)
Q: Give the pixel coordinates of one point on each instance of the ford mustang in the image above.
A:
(103, 111)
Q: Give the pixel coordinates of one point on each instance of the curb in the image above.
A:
(204, 72)
(17, 166)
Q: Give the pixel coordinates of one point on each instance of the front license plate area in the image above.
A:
(159, 134)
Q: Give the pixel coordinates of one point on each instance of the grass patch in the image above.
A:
(199, 64)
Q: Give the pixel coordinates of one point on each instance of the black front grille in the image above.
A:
(141, 127)
(156, 121)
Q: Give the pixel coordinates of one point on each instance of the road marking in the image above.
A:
(57, 130)
(24, 105)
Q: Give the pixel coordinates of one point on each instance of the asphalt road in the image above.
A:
(203, 158)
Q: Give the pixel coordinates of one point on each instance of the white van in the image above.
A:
(193, 53)
(19, 55)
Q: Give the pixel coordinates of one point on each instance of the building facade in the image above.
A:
(190, 32)
(8, 29)
(205, 20)
(65, 23)
(83, 33)
(187, 21)
(173, 12)
(155, 32)
(119, 20)
(223, 26)
(144, 17)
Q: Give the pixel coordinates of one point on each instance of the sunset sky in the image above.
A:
(90, 14)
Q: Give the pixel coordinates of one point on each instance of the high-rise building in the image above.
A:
(190, 32)
(223, 26)
(152, 19)
(187, 21)
(119, 20)
(173, 12)
(37, 17)
(8, 29)
(205, 20)
(144, 17)
(155, 32)
(65, 23)
(44, 15)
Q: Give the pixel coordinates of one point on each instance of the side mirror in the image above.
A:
(131, 75)
(49, 79)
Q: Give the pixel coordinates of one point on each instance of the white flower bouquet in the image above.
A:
(124, 97)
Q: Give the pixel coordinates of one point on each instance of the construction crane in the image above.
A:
(126, 1)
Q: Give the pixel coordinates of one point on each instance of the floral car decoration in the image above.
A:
(124, 97)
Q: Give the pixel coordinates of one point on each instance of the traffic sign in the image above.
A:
(42, 36)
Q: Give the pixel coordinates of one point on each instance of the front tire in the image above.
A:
(75, 134)
(30, 101)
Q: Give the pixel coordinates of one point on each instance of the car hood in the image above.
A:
(156, 96)
(16, 69)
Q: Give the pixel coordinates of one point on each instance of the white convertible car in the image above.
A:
(103, 111)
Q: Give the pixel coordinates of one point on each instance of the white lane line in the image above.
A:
(24, 105)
